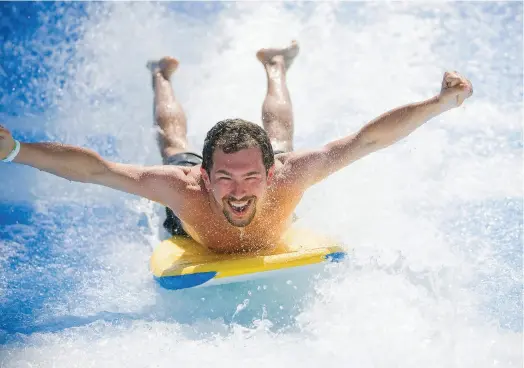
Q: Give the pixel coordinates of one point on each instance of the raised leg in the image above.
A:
(170, 118)
(277, 110)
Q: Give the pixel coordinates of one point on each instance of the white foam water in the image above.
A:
(433, 223)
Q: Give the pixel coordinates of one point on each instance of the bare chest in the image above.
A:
(211, 229)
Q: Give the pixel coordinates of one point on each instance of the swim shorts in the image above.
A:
(172, 223)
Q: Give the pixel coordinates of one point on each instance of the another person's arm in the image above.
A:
(84, 165)
(308, 168)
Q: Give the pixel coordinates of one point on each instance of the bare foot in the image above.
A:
(167, 66)
(266, 55)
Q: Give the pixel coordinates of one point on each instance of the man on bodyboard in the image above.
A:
(240, 194)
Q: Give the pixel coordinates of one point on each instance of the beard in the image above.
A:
(246, 218)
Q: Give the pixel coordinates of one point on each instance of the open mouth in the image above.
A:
(239, 207)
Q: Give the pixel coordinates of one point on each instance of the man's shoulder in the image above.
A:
(284, 168)
(176, 176)
(282, 158)
(295, 169)
(188, 176)
(184, 186)
(193, 177)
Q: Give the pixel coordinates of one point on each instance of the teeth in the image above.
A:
(239, 204)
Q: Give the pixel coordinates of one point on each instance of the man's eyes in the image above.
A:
(246, 178)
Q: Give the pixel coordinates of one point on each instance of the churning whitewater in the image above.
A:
(433, 224)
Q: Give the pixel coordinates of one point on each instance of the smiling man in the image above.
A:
(241, 193)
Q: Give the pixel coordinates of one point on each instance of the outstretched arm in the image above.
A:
(311, 167)
(84, 165)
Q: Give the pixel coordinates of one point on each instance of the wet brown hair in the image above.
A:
(233, 135)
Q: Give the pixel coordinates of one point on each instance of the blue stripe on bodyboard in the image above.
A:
(185, 281)
(335, 256)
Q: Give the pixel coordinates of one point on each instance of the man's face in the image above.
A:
(238, 183)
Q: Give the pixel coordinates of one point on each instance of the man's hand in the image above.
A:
(7, 143)
(455, 89)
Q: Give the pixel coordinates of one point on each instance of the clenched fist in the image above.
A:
(7, 143)
(455, 89)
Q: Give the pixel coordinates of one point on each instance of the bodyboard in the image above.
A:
(180, 262)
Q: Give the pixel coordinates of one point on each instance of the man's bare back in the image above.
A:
(240, 198)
